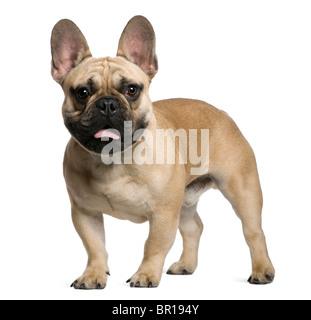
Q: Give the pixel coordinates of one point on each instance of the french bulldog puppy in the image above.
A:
(114, 163)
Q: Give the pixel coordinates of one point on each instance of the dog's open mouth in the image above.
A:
(107, 134)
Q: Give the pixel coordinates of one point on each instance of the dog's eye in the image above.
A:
(83, 94)
(131, 91)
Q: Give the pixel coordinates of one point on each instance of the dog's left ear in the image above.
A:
(137, 44)
(69, 48)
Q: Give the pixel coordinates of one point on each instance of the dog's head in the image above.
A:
(101, 94)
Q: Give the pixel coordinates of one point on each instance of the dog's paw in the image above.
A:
(143, 280)
(181, 268)
(91, 281)
(261, 277)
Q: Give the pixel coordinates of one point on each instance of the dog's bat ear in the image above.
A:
(137, 44)
(69, 48)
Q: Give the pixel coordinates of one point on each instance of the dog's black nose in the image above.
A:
(108, 105)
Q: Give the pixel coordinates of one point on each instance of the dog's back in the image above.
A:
(224, 134)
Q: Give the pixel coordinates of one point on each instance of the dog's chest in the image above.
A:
(122, 197)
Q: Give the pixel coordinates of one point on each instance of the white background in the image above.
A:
(249, 58)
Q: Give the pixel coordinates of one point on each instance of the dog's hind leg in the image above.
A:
(241, 187)
(190, 227)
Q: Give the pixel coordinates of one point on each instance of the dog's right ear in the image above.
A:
(137, 44)
(69, 48)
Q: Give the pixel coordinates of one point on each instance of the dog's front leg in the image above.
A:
(162, 234)
(90, 227)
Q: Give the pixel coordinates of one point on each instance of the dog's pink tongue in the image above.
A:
(105, 133)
